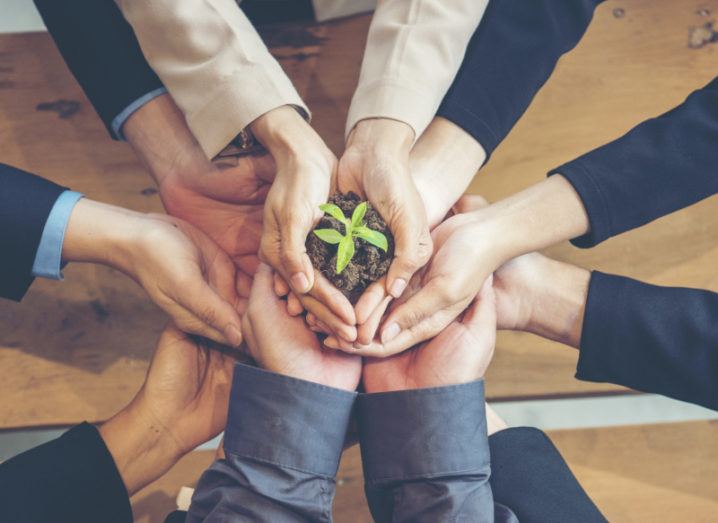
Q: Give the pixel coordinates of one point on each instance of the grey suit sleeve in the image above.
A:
(426, 455)
(283, 441)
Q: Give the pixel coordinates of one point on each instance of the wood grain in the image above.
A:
(636, 474)
(78, 349)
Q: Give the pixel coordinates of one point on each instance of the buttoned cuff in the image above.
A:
(119, 121)
(423, 433)
(48, 260)
(393, 99)
(286, 421)
(241, 99)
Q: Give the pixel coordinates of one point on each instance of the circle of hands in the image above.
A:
(248, 219)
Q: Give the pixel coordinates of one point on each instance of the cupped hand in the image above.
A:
(459, 354)
(375, 165)
(285, 344)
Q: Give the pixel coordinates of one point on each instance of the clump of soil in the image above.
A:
(369, 262)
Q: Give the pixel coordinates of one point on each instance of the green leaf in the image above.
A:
(334, 211)
(345, 253)
(374, 237)
(358, 214)
(331, 236)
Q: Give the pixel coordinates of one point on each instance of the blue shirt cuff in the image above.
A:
(48, 259)
(119, 121)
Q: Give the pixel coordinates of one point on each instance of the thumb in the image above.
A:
(412, 250)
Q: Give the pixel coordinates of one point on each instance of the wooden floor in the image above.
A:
(78, 349)
(639, 474)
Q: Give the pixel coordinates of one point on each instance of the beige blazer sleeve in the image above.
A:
(413, 52)
(213, 63)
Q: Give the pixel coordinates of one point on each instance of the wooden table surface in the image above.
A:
(78, 349)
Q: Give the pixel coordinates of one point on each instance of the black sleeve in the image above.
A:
(660, 166)
(25, 203)
(511, 55)
(102, 52)
(529, 476)
(649, 338)
(72, 478)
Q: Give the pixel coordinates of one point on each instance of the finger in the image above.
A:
(407, 317)
(323, 328)
(412, 250)
(188, 322)
(335, 343)
(330, 296)
(370, 300)
(280, 286)
(200, 299)
(311, 319)
(243, 284)
(367, 330)
(293, 253)
(469, 203)
(333, 323)
(294, 306)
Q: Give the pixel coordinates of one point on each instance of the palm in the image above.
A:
(285, 345)
(187, 388)
(226, 204)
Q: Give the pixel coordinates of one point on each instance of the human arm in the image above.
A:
(102, 53)
(195, 44)
(88, 474)
(286, 425)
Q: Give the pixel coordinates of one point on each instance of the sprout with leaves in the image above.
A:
(353, 228)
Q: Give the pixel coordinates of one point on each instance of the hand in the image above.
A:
(182, 404)
(305, 177)
(443, 162)
(182, 270)
(375, 165)
(285, 345)
(459, 354)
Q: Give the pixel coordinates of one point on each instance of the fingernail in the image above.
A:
(300, 282)
(234, 335)
(331, 343)
(390, 332)
(358, 346)
(397, 288)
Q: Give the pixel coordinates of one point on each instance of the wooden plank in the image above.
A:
(637, 474)
(78, 350)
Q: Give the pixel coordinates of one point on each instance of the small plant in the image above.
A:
(352, 228)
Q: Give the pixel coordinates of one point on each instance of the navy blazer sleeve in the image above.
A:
(25, 203)
(72, 478)
(102, 53)
(653, 339)
(510, 56)
(660, 166)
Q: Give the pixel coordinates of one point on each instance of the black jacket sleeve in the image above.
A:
(102, 52)
(653, 339)
(511, 55)
(529, 475)
(25, 203)
(72, 478)
(660, 166)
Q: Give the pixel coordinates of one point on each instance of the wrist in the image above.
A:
(140, 445)
(288, 137)
(382, 136)
(101, 233)
(558, 302)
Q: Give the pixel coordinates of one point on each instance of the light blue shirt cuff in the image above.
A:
(119, 121)
(48, 259)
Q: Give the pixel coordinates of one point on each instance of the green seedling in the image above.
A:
(352, 228)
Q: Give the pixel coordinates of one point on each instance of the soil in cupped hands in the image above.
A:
(369, 262)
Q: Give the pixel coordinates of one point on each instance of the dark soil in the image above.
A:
(369, 262)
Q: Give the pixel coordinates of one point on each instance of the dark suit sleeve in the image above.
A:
(511, 55)
(25, 203)
(102, 52)
(529, 476)
(660, 166)
(72, 478)
(653, 339)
